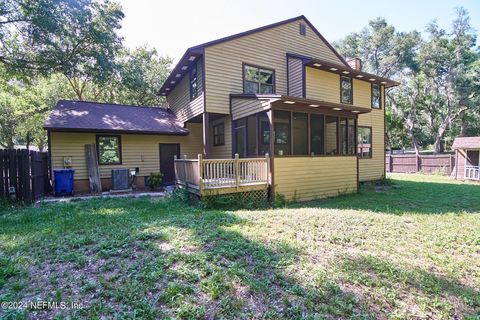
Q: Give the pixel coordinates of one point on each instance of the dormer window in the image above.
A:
(258, 80)
(346, 90)
(193, 82)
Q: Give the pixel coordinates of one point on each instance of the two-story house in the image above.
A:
(280, 90)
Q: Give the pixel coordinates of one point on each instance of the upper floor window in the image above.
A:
(346, 90)
(303, 29)
(109, 149)
(193, 82)
(219, 134)
(376, 96)
(258, 80)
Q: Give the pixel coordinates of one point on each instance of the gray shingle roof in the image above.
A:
(86, 116)
(466, 143)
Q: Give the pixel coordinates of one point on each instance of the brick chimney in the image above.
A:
(355, 63)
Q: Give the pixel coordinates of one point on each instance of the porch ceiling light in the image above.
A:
(191, 58)
(317, 65)
(314, 105)
(345, 72)
(338, 109)
(333, 69)
(383, 82)
(184, 67)
(372, 79)
(168, 89)
(172, 82)
(163, 92)
(178, 75)
(359, 76)
(355, 111)
(289, 102)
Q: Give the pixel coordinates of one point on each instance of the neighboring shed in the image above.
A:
(467, 153)
(133, 137)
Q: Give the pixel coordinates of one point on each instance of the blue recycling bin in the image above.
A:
(63, 182)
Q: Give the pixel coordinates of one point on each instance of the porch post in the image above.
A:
(237, 171)
(200, 173)
(206, 134)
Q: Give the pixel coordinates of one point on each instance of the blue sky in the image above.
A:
(171, 26)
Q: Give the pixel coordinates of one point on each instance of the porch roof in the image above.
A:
(304, 102)
(466, 143)
(342, 70)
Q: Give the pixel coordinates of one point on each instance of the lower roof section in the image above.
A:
(86, 116)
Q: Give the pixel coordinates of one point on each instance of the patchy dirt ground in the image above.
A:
(409, 251)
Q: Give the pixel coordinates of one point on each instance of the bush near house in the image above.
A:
(409, 250)
(155, 180)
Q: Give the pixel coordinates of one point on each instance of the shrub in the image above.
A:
(155, 180)
(280, 201)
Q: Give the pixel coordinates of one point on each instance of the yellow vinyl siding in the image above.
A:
(322, 85)
(373, 169)
(268, 48)
(308, 178)
(245, 107)
(362, 93)
(179, 99)
(137, 150)
(225, 151)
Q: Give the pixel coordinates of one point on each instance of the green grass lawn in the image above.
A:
(410, 251)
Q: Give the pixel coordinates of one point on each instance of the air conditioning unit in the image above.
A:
(120, 179)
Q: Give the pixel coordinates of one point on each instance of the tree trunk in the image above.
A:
(463, 126)
(414, 141)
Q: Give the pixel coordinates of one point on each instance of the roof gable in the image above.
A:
(194, 52)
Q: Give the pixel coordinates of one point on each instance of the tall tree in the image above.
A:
(141, 73)
(448, 61)
(77, 39)
(388, 53)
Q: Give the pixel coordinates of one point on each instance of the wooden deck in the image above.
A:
(221, 176)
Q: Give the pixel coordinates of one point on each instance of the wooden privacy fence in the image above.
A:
(209, 176)
(24, 174)
(411, 163)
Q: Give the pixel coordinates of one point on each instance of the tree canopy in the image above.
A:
(438, 98)
(63, 49)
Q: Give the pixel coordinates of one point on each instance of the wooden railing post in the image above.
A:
(175, 168)
(200, 173)
(267, 159)
(185, 171)
(237, 171)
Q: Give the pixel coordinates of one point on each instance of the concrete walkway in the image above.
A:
(104, 195)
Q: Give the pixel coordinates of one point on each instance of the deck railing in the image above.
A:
(472, 172)
(207, 174)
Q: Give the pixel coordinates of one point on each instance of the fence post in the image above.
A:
(237, 171)
(28, 159)
(390, 164)
(450, 164)
(417, 162)
(2, 188)
(200, 173)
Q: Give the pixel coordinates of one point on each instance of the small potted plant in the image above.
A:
(155, 180)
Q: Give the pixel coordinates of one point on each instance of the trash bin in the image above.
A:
(63, 182)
